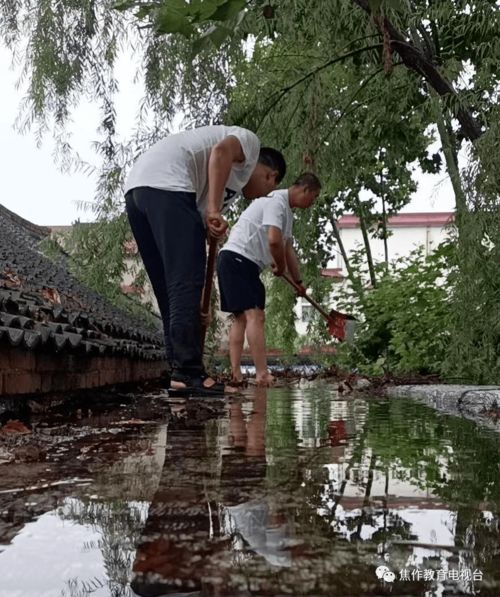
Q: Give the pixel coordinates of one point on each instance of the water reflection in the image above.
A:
(281, 492)
(299, 493)
(86, 544)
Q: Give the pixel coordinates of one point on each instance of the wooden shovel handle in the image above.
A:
(209, 281)
(310, 300)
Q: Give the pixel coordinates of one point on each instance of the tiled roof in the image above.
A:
(405, 220)
(43, 306)
(332, 272)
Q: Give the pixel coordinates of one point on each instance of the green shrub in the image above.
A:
(405, 320)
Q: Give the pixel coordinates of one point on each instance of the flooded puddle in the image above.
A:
(279, 492)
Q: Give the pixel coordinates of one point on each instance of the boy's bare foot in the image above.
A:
(264, 381)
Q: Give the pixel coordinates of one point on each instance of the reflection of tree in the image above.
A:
(408, 440)
(82, 588)
(452, 458)
(397, 440)
(120, 525)
(317, 405)
(134, 472)
(281, 440)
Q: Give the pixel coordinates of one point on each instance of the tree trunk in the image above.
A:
(384, 220)
(447, 138)
(451, 158)
(355, 281)
(416, 60)
(366, 240)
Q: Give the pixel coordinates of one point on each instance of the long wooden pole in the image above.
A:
(207, 290)
(309, 299)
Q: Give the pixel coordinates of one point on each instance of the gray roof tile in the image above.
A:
(42, 306)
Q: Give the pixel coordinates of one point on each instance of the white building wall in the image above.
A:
(402, 241)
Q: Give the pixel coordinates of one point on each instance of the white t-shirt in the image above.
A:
(180, 163)
(248, 236)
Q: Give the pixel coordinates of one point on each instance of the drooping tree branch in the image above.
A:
(274, 99)
(416, 60)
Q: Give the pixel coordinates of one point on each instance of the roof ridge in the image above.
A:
(41, 231)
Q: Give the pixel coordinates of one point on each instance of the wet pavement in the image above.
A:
(277, 492)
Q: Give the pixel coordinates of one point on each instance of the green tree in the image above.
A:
(358, 101)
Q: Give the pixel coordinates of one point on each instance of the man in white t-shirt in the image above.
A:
(180, 185)
(261, 237)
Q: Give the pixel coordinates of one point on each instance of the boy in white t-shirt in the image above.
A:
(181, 185)
(261, 237)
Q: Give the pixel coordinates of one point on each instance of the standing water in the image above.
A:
(277, 492)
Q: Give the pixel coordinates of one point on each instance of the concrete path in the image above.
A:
(479, 403)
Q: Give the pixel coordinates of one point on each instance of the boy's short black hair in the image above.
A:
(309, 180)
(273, 159)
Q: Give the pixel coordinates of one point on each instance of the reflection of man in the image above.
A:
(261, 529)
(187, 538)
(255, 521)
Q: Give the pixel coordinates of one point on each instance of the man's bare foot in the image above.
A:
(237, 381)
(264, 381)
(229, 389)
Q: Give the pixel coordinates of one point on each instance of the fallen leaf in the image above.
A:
(14, 428)
(51, 295)
(11, 279)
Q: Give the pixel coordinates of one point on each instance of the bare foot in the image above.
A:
(236, 375)
(229, 389)
(264, 381)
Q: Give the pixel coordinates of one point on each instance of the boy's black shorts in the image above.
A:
(239, 283)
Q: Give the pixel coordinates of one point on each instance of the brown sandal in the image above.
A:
(194, 386)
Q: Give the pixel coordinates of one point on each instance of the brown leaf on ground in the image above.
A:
(51, 295)
(10, 279)
(493, 413)
(14, 428)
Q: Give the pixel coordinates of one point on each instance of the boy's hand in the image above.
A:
(277, 271)
(216, 224)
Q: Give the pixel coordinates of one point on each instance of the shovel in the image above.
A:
(207, 290)
(340, 325)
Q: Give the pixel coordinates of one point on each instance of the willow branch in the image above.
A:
(283, 92)
(415, 60)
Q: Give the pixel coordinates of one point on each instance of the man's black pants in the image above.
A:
(170, 236)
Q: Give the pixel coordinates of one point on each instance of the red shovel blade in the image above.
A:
(337, 432)
(341, 325)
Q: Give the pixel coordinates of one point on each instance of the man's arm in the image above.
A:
(222, 157)
(292, 263)
(277, 249)
(293, 266)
